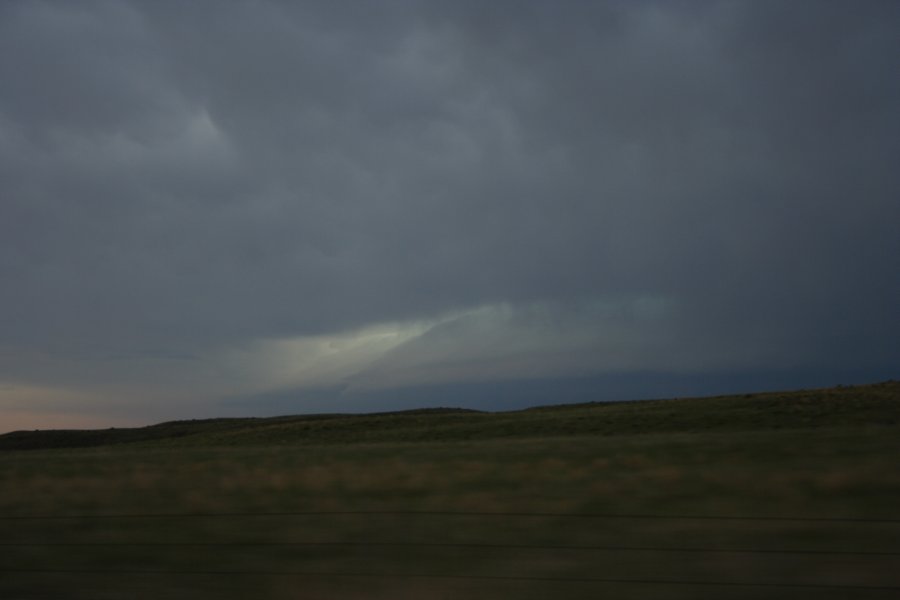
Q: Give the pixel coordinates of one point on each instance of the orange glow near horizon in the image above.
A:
(23, 420)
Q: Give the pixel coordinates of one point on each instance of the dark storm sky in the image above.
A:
(208, 205)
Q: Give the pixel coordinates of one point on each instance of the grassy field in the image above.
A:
(551, 502)
(874, 405)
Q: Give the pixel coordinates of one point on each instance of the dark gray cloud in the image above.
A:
(182, 180)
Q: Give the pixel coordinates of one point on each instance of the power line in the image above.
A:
(461, 545)
(349, 574)
(448, 513)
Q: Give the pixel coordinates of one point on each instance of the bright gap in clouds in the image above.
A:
(483, 356)
(320, 360)
(493, 342)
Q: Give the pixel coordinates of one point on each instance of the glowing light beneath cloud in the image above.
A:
(488, 342)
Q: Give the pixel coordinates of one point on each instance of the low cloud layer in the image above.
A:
(202, 201)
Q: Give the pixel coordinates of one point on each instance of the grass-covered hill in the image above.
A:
(864, 405)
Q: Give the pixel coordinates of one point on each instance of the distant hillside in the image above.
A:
(864, 405)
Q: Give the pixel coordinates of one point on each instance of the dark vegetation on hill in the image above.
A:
(864, 405)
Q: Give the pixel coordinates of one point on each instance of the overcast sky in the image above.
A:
(262, 207)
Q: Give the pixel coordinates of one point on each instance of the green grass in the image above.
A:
(825, 453)
(877, 404)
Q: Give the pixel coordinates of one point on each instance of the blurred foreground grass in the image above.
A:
(846, 470)
(807, 473)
